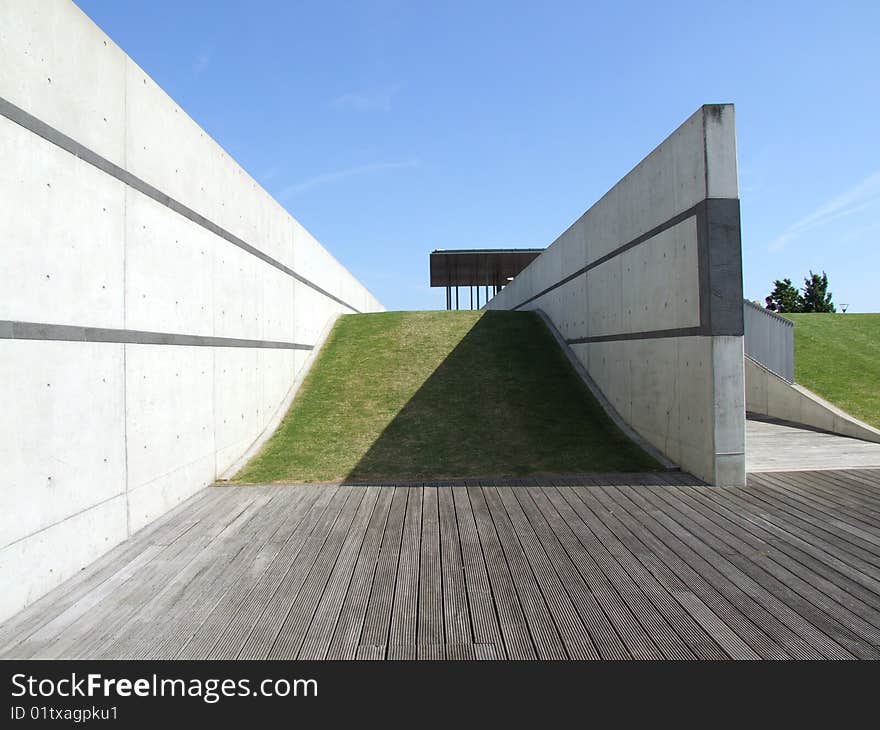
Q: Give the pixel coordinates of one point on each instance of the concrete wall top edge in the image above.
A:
(715, 124)
(80, 87)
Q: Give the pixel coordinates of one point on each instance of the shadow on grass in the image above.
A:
(505, 402)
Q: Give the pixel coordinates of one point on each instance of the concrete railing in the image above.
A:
(646, 288)
(156, 303)
(769, 339)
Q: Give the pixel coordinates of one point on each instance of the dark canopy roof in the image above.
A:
(479, 267)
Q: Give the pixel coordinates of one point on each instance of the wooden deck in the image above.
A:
(779, 446)
(639, 566)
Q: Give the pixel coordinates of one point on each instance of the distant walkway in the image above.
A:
(637, 566)
(774, 446)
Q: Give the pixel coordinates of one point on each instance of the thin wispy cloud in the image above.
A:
(329, 178)
(858, 198)
(201, 62)
(368, 100)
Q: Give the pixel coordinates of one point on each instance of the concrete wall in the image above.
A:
(646, 287)
(156, 303)
(769, 395)
(769, 339)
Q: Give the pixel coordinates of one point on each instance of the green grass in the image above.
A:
(432, 395)
(838, 357)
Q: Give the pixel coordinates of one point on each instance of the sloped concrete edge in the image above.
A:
(609, 409)
(767, 394)
(282, 409)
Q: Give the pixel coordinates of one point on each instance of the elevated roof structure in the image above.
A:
(490, 268)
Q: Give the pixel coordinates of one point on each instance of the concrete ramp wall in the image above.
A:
(768, 394)
(156, 303)
(646, 287)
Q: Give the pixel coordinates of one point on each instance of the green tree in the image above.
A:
(816, 296)
(784, 297)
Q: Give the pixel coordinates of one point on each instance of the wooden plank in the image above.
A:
(481, 605)
(363, 536)
(801, 485)
(825, 559)
(402, 652)
(487, 652)
(768, 492)
(864, 486)
(614, 550)
(252, 634)
(772, 573)
(801, 616)
(163, 623)
(620, 594)
(344, 642)
(294, 505)
(840, 490)
(866, 481)
(514, 629)
(431, 652)
(572, 612)
(778, 520)
(456, 620)
(341, 548)
(538, 615)
(370, 652)
(430, 625)
(460, 652)
(819, 532)
(403, 637)
(377, 621)
(557, 539)
(224, 630)
(741, 572)
(807, 531)
(808, 511)
(672, 562)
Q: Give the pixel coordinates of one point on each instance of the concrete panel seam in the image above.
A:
(12, 330)
(63, 519)
(50, 134)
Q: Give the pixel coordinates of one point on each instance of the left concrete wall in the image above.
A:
(156, 303)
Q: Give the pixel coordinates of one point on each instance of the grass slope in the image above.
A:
(838, 357)
(408, 395)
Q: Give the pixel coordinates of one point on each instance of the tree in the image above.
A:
(784, 297)
(816, 296)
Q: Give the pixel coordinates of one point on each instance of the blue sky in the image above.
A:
(393, 128)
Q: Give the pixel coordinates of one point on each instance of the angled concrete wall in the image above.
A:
(768, 394)
(156, 303)
(646, 287)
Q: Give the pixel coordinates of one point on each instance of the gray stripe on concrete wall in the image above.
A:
(59, 139)
(11, 330)
(656, 231)
(721, 257)
(649, 335)
(719, 262)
